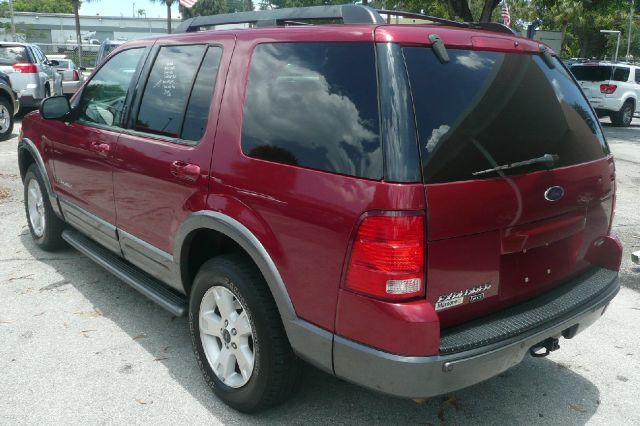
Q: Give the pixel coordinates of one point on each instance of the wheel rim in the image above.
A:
(5, 119)
(35, 204)
(227, 336)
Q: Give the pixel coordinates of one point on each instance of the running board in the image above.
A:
(135, 277)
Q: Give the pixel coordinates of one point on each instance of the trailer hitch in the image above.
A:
(548, 345)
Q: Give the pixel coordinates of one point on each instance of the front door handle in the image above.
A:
(100, 147)
(185, 171)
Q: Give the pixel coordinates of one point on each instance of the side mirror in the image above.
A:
(55, 108)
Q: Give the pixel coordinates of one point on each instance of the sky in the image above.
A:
(126, 8)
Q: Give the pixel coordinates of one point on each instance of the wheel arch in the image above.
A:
(234, 236)
(29, 154)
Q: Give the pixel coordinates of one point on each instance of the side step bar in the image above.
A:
(136, 278)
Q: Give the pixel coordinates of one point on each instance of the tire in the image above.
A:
(6, 119)
(623, 117)
(48, 233)
(275, 367)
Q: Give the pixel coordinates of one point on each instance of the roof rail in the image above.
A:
(488, 26)
(348, 13)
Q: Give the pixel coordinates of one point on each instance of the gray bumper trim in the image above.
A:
(422, 377)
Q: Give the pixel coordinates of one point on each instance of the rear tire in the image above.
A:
(45, 226)
(6, 119)
(274, 366)
(623, 117)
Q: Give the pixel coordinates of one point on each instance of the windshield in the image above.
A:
(10, 55)
(600, 73)
(63, 63)
(487, 109)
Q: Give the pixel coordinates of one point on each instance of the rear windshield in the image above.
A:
(600, 73)
(487, 109)
(10, 55)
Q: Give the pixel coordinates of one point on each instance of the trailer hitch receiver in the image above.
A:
(544, 348)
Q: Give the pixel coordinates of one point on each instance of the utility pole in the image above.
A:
(13, 25)
(630, 27)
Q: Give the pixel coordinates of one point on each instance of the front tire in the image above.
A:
(45, 227)
(238, 337)
(623, 117)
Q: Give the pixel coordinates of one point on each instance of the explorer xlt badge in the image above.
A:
(456, 298)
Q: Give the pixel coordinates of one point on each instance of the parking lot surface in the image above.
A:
(79, 346)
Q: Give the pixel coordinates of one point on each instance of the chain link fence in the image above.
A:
(72, 51)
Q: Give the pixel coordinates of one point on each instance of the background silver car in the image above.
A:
(72, 76)
(33, 76)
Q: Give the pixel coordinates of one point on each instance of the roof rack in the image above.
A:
(348, 13)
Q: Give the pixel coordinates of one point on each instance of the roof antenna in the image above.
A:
(439, 48)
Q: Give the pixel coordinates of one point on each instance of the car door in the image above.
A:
(83, 148)
(163, 158)
(45, 71)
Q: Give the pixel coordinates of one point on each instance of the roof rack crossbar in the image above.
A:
(348, 13)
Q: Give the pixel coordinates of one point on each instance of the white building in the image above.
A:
(57, 28)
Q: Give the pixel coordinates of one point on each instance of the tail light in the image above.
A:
(387, 257)
(608, 88)
(25, 68)
(76, 76)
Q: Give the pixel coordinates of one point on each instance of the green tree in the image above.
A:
(38, 6)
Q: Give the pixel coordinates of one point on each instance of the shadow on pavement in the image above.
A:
(538, 390)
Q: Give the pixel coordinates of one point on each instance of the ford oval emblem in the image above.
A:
(554, 193)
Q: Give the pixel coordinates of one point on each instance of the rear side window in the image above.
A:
(486, 109)
(621, 74)
(168, 88)
(196, 117)
(600, 73)
(314, 105)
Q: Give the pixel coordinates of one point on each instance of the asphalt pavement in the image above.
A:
(78, 346)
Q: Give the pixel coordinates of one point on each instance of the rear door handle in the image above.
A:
(101, 148)
(185, 171)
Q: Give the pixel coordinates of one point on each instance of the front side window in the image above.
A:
(637, 71)
(104, 97)
(314, 105)
(487, 109)
(167, 90)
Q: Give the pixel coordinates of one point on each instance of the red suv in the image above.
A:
(412, 208)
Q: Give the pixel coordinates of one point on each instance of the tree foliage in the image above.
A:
(39, 6)
(215, 7)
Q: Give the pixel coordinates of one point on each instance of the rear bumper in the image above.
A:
(70, 87)
(421, 377)
(606, 105)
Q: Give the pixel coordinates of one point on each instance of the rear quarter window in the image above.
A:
(485, 109)
(314, 105)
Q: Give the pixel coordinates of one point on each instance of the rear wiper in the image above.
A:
(547, 159)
